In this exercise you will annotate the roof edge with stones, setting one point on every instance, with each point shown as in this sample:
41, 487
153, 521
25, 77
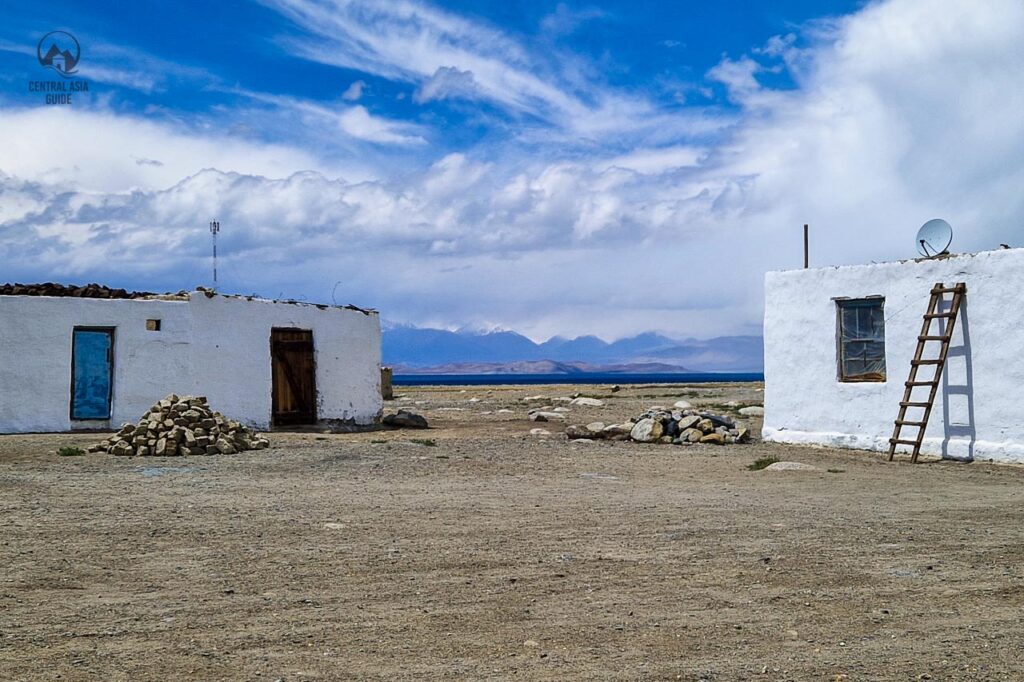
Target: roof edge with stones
99, 291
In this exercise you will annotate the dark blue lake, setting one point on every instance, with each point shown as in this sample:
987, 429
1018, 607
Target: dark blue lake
582, 378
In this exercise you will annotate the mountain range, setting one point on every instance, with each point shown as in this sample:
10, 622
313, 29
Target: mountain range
415, 349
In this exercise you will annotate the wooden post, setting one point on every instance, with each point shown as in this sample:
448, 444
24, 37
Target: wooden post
807, 258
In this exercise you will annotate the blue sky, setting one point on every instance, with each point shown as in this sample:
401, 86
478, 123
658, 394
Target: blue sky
558, 168
206, 65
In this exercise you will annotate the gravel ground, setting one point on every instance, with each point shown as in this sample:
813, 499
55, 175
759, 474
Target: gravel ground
477, 551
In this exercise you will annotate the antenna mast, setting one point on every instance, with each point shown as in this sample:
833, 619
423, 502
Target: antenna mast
214, 229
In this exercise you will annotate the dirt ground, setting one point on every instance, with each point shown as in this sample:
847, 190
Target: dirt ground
479, 551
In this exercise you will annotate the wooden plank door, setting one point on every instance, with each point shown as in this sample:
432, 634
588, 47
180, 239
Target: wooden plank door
92, 372
293, 372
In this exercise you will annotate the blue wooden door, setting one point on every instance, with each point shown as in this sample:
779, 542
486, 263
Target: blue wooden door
91, 363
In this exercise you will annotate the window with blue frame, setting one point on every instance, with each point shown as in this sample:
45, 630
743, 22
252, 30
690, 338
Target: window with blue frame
861, 347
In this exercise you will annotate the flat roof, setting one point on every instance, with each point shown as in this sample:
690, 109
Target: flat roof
99, 291
905, 261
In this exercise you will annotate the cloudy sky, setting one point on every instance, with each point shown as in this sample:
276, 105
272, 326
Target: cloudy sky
551, 167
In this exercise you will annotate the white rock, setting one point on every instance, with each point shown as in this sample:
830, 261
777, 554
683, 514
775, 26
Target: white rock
752, 411
539, 432
592, 431
562, 409
689, 422
791, 466
535, 398
617, 430
646, 431
546, 416
682, 405
504, 411
589, 402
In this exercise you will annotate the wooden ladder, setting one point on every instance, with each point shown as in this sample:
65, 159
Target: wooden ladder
959, 290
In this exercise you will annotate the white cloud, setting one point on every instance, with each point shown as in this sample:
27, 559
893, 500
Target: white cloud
354, 91
902, 113
565, 20
99, 151
777, 46
738, 77
136, 69
136, 80
355, 121
657, 160
416, 43
446, 82
358, 122
17, 48
457, 206
409, 41
897, 114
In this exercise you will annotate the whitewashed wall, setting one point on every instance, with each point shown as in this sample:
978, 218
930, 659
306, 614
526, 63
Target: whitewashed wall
979, 409
35, 357
218, 347
231, 357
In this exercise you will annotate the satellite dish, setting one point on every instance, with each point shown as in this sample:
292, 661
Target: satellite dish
934, 238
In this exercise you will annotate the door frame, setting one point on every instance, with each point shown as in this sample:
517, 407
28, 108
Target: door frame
112, 333
311, 417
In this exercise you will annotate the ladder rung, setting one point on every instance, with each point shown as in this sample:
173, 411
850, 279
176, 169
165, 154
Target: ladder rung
928, 337
907, 403
959, 288
905, 423
930, 316
921, 383
926, 362
900, 441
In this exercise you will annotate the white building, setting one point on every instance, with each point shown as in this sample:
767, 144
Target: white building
88, 363
839, 342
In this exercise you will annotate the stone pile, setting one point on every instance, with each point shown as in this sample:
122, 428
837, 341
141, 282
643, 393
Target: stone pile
662, 425
182, 425
85, 291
